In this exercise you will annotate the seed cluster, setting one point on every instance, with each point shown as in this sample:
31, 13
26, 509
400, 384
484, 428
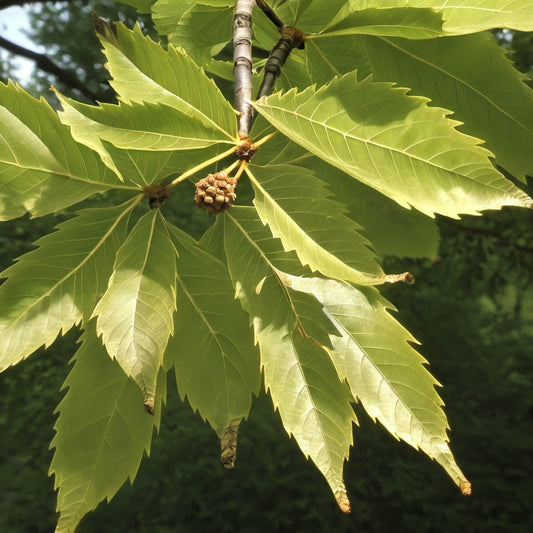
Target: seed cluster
216, 192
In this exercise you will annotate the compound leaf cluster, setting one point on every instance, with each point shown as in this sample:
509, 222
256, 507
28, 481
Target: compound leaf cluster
355, 152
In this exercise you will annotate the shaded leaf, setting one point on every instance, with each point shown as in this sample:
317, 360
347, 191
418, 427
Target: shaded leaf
470, 76
383, 370
102, 432
197, 27
52, 288
327, 58
42, 169
390, 228
395, 143
212, 349
135, 315
309, 16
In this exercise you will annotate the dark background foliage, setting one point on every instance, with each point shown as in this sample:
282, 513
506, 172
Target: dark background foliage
472, 308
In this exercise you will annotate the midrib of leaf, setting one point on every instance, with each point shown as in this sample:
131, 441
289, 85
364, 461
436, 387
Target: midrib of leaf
60, 170
373, 143
76, 178
339, 325
457, 80
47, 294
140, 276
324, 58
131, 131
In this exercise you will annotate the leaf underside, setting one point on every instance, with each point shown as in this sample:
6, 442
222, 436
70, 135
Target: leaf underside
284, 290
102, 432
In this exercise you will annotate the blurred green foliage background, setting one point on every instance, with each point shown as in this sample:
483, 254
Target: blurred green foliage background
472, 309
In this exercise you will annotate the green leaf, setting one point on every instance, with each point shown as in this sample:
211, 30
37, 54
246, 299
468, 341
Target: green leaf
197, 27
300, 377
470, 76
411, 23
143, 71
395, 143
102, 432
390, 228
52, 288
295, 205
134, 126
466, 16
383, 370
212, 349
42, 169
309, 16
327, 58
140, 142
135, 315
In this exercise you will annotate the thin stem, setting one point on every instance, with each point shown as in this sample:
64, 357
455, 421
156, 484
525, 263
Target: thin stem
242, 63
194, 170
230, 169
270, 13
242, 168
265, 139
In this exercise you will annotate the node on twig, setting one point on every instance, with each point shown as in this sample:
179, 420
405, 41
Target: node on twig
245, 151
157, 194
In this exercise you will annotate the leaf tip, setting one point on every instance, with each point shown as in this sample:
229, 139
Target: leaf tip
107, 29
466, 487
228, 444
343, 502
405, 277
149, 405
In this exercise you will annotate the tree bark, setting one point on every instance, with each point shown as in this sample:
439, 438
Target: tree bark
242, 64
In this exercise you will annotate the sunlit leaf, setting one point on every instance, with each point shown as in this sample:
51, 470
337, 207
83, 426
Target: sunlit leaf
395, 143
299, 375
295, 205
52, 288
135, 315
143, 71
383, 370
42, 169
411, 23
470, 76
466, 16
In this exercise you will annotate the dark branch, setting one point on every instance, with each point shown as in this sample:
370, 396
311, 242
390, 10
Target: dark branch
242, 63
4, 4
270, 13
46, 64
290, 38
